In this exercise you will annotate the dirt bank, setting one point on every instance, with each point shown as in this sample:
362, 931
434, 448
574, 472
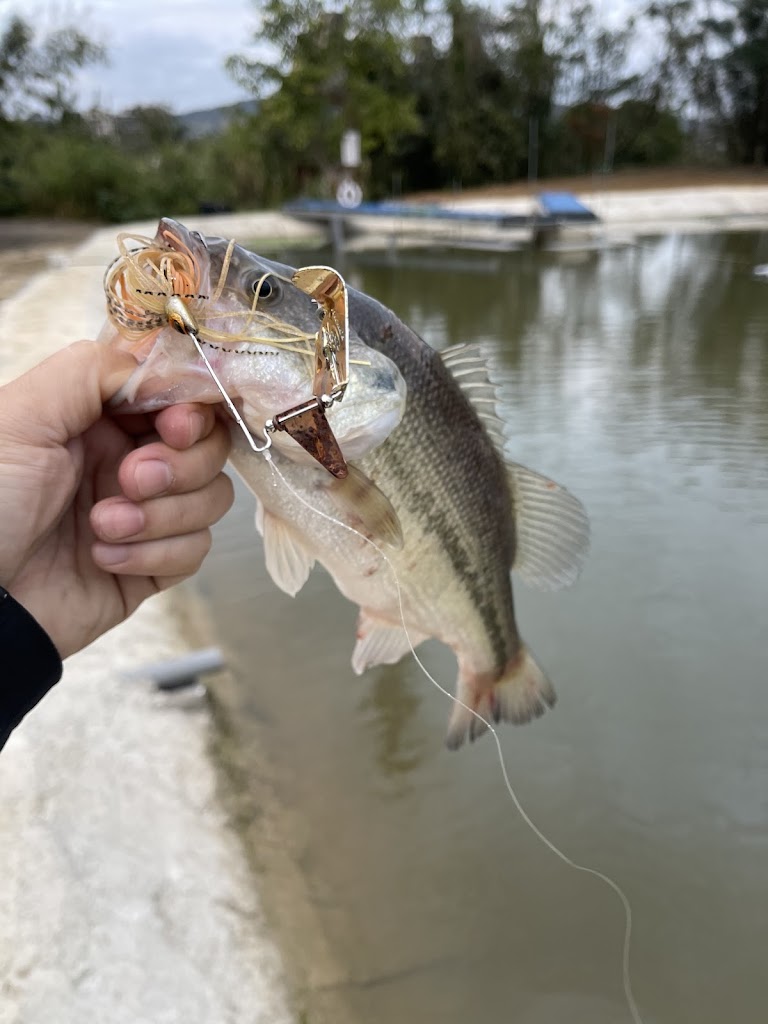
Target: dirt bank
621, 181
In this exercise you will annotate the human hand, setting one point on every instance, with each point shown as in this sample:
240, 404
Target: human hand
97, 512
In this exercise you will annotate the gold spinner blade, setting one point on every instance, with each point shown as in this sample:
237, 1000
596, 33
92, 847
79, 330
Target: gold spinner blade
328, 289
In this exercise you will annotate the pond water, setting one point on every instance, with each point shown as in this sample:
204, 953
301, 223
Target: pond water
637, 377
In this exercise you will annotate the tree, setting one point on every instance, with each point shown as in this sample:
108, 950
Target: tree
592, 58
36, 72
745, 67
334, 70
686, 77
647, 136
472, 105
147, 128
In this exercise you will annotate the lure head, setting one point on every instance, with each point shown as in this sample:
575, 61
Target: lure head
179, 316
273, 340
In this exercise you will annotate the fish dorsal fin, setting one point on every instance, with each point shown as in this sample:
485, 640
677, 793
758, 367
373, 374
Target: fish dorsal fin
288, 562
551, 526
551, 530
469, 366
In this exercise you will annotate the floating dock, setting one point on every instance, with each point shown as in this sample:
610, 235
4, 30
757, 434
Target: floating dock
451, 226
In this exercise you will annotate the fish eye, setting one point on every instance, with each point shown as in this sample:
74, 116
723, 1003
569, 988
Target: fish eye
266, 287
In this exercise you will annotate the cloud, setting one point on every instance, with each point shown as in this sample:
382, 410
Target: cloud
170, 53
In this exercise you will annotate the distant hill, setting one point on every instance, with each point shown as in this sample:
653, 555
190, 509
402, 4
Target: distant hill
198, 123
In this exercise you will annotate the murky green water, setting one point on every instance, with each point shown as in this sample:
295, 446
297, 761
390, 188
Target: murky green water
639, 378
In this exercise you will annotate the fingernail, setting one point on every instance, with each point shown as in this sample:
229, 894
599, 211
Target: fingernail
153, 478
120, 521
110, 554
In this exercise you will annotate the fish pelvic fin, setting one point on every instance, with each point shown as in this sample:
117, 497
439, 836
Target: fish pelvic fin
381, 643
288, 561
522, 693
366, 507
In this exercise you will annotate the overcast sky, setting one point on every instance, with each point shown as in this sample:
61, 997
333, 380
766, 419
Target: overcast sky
159, 51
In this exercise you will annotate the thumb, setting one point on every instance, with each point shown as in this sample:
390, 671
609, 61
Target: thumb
65, 394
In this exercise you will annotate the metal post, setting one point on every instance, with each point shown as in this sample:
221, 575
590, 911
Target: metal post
533, 148
610, 145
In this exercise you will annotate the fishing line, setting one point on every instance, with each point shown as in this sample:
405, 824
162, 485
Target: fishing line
614, 886
176, 313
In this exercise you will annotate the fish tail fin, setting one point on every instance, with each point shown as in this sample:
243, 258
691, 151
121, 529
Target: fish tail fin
523, 692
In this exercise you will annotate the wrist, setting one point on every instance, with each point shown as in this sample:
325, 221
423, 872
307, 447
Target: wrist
31, 664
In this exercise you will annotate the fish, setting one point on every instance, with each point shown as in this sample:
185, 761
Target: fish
424, 435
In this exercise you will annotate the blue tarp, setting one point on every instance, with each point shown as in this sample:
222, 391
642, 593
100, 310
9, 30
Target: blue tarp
564, 204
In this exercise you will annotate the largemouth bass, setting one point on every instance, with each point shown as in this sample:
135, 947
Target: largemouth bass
430, 483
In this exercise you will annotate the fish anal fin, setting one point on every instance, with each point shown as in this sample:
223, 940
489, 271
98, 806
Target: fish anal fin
380, 643
551, 528
366, 507
521, 694
288, 561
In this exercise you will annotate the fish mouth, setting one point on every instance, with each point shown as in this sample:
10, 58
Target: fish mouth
171, 234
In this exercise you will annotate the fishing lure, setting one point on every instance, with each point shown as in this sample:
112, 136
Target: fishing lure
152, 286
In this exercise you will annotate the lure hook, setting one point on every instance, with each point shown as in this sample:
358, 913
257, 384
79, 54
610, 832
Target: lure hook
180, 318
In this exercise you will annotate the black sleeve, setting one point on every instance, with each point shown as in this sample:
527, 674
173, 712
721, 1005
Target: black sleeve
29, 664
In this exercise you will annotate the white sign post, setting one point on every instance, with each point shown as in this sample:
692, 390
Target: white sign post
350, 149
348, 193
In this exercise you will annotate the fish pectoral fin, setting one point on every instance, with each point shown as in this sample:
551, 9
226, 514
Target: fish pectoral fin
379, 643
522, 693
551, 530
288, 561
366, 508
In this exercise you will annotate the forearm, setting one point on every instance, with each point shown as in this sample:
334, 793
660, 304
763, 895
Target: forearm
29, 664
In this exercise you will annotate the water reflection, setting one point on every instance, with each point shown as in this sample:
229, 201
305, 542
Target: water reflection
664, 343
390, 705
639, 378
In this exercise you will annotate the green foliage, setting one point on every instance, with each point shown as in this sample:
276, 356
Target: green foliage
745, 67
36, 74
143, 129
339, 70
436, 115
63, 171
647, 136
476, 123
